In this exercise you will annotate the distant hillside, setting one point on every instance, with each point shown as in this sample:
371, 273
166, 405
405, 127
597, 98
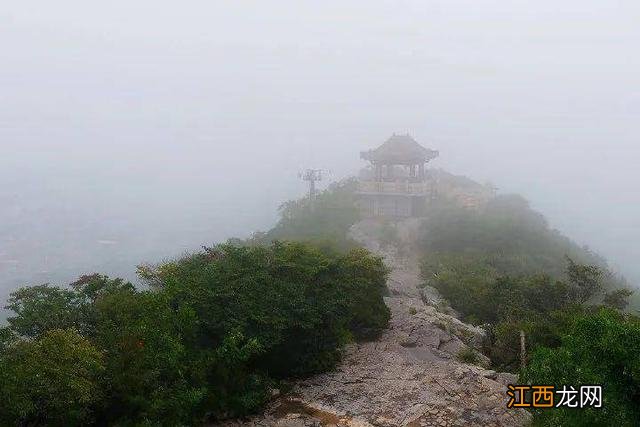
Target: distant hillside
516, 238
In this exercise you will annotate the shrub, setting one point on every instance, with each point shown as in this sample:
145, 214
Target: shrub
51, 380
282, 310
599, 348
325, 225
39, 309
209, 338
468, 355
508, 236
299, 303
503, 267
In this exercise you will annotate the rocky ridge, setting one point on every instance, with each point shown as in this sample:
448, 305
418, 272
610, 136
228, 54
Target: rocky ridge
413, 374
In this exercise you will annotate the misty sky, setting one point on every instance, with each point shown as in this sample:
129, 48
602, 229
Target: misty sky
166, 125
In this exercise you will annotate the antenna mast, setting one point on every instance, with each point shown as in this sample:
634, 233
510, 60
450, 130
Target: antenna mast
312, 176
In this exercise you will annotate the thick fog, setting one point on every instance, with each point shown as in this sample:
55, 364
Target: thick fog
133, 131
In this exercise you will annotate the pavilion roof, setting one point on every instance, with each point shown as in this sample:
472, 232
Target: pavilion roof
400, 149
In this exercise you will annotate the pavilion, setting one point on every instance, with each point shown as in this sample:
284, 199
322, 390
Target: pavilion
399, 185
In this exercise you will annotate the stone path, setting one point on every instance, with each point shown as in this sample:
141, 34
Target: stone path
411, 376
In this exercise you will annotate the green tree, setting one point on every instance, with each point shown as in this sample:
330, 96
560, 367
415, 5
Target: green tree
147, 365
7, 338
270, 312
599, 348
509, 235
618, 299
502, 266
586, 281
52, 380
208, 339
38, 309
334, 212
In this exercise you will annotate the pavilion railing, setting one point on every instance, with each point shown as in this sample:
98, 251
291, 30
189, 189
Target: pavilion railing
400, 187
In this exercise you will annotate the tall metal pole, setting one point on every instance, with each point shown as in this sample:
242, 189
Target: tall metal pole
312, 190
312, 176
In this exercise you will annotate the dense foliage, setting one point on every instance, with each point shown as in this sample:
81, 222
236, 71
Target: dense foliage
209, 338
540, 306
52, 380
325, 223
507, 233
598, 348
502, 267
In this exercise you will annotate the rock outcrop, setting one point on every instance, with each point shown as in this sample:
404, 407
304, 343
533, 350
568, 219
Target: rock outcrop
413, 374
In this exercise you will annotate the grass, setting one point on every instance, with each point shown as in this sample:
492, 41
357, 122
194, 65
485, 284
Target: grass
468, 355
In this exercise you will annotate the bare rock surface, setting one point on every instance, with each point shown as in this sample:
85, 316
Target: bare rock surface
411, 376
